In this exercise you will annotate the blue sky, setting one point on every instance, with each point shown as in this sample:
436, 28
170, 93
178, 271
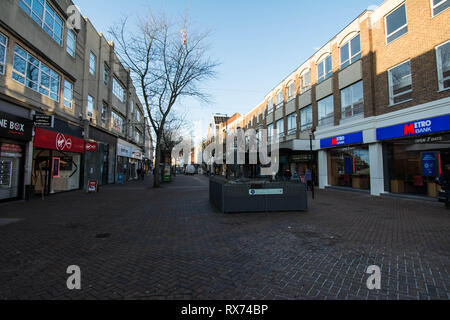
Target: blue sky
258, 43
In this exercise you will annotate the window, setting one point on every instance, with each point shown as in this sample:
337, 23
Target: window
324, 69
3, 46
351, 51
138, 136
439, 5
92, 63
269, 132
306, 119
41, 12
34, 74
280, 128
352, 100
270, 106
292, 123
279, 98
104, 115
396, 24
68, 94
105, 74
90, 106
305, 81
443, 65
291, 90
131, 107
117, 122
71, 43
326, 111
118, 90
400, 83
138, 116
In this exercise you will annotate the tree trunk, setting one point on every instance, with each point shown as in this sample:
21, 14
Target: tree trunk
156, 183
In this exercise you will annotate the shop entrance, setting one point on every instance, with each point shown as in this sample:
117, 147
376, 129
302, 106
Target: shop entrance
349, 167
11, 164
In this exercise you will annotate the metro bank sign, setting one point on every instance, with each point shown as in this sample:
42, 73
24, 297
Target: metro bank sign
351, 138
425, 126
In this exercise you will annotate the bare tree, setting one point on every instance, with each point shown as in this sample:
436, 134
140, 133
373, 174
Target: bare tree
167, 61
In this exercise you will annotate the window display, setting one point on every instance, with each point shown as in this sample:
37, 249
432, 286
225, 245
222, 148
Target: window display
349, 167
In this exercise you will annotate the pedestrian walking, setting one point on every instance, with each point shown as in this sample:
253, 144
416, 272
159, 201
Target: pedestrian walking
142, 174
308, 178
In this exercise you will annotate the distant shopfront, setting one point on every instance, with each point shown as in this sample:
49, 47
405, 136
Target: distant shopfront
57, 159
15, 134
129, 160
414, 154
348, 161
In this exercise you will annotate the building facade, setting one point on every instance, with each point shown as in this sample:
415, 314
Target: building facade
73, 78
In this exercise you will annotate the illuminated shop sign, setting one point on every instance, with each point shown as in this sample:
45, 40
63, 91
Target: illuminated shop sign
351, 138
415, 128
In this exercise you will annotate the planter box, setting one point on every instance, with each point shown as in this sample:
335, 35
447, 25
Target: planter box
231, 197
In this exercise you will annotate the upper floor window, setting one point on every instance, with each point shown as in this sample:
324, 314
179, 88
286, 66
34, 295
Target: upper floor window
138, 116
291, 90
68, 94
352, 100
104, 114
269, 132
34, 74
443, 65
90, 106
396, 23
138, 136
263, 114
292, 123
280, 127
118, 90
71, 42
305, 81
351, 51
45, 16
324, 69
117, 122
3, 46
270, 106
92, 63
439, 5
105, 74
279, 98
400, 83
306, 118
326, 111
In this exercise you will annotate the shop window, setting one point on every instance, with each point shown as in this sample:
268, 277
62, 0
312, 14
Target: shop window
44, 15
68, 94
280, 128
34, 74
396, 24
349, 167
400, 83
3, 47
71, 42
351, 51
439, 5
443, 65
352, 100
306, 118
292, 123
92, 63
90, 107
326, 111
324, 69
305, 81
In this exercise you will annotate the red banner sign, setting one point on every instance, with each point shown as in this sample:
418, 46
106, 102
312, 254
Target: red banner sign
47, 139
91, 146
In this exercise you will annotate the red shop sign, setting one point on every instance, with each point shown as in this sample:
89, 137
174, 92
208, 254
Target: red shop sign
91, 146
47, 139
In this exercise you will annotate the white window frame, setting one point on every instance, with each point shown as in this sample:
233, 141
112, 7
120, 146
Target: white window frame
104, 114
325, 74
90, 107
71, 51
390, 83
304, 88
290, 90
292, 127
118, 90
5, 46
270, 105
352, 104
270, 132
52, 75
434, 6
307, 125
350, 56
327, 115
441, 79
43, 23
397, 30
70, 102
92, 60
279, 99
280, 131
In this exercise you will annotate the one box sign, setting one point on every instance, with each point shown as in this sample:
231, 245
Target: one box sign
261, 192
92, 186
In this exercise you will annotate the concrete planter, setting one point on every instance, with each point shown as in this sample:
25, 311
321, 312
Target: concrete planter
231, 197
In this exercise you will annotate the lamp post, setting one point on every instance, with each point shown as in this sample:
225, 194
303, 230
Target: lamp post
311, 162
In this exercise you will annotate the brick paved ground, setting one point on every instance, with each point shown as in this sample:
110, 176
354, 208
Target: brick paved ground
171, 244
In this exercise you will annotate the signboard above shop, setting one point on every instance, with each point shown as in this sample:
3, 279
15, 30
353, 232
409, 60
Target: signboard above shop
342, 140
44, 120
15, 128
415, 128
128, 150
47, 139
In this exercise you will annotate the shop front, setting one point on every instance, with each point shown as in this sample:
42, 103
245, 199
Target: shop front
414, 154
15, 134
57, 161
300, 162
129, 161
348, 161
